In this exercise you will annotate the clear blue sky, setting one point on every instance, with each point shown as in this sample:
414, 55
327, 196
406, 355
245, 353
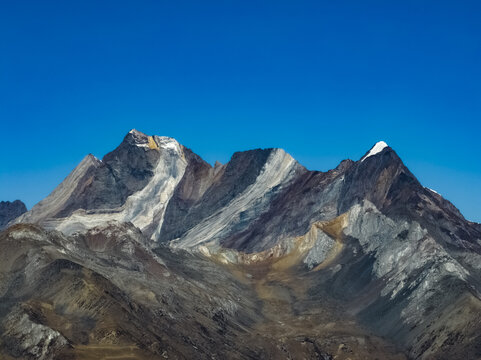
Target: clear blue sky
322, 79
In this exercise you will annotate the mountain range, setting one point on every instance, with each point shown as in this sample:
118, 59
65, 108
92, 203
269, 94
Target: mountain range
153, 253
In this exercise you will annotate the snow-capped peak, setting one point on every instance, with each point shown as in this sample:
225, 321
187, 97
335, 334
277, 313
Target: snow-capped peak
375, 149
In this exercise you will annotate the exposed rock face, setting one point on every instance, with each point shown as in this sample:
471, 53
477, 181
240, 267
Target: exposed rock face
10, 210
362, 246
26, 338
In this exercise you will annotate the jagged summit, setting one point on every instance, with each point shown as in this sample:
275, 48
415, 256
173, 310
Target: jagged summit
91, 157
136, 132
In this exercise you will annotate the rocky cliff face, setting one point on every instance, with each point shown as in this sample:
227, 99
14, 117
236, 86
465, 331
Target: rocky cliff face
303, 263
10, 210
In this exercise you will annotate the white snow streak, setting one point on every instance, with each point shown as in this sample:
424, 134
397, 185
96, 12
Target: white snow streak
375, 149
277, 170
146, 206
151, 202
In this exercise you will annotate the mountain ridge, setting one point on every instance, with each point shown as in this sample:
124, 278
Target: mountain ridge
398, 259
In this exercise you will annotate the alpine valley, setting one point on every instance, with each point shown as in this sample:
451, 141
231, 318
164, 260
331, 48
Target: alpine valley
152, 253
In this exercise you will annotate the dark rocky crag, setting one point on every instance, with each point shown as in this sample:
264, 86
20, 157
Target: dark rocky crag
260, 258
10, 211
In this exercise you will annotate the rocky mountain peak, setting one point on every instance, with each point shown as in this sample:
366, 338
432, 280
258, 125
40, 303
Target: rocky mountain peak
135, 135
138, 139
135, 132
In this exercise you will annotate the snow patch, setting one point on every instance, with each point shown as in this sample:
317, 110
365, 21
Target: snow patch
375, 149
165, 142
